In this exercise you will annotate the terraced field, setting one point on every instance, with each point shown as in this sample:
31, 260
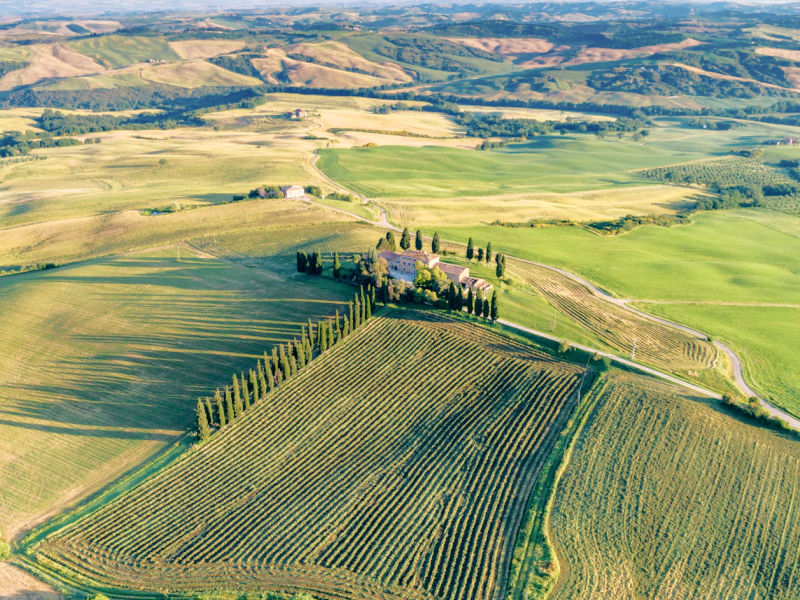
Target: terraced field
398, 464
667, 497
656, 344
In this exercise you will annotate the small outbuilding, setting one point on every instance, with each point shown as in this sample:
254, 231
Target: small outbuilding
293, 191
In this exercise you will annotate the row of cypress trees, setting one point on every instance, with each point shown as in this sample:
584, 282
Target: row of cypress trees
285, 361
477, 305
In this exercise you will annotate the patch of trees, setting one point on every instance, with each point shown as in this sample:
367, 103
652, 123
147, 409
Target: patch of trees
19, 144
286, 360
752, 410
431, 52
712, 125
629, 222
310, 263
239, 63
6, 66
483, 126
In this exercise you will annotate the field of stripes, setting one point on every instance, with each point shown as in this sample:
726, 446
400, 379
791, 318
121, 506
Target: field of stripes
668, 497
398, 464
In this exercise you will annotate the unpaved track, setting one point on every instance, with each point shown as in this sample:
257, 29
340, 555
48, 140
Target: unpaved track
736, 363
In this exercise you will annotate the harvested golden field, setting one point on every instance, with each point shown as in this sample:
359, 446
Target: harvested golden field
341, 56
396, 465
194, 73
300, 72
20, 585
592, 55
194, 49
105, 360
671, 497
48, 61
511, 47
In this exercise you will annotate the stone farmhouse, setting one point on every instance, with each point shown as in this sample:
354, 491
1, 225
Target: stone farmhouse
293, 191
403, 265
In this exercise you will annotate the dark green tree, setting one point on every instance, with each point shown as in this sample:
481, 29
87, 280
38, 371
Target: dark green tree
480, 254
435, 244
238, 407
459, 298
262, 383
302, 261
418, 240
337, 265
323, 337
451, 296
405, 239
229, 407
210, 412
269, 375
203, 430
352, 316
493, 313
485, 308
310, 333
331, 336
222, 419
470, 302
488, 252
392, 241
500, 269
470, 249
254, 391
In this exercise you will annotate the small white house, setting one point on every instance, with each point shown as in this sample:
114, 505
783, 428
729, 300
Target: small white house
293, 191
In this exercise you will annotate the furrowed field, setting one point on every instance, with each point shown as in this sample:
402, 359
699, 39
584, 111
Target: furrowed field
669, 497
398, 464
100, 363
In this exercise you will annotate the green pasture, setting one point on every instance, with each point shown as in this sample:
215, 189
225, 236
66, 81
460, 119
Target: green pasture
102, 362
764, 337
739, 256
561, 164
115, 51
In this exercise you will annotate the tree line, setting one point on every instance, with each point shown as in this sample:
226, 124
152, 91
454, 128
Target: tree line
213, 413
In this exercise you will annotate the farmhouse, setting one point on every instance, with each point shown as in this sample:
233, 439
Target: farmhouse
293, 191
403, 265
298, 113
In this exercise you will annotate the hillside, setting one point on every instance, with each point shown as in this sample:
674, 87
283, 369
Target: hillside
685, 501
396, 465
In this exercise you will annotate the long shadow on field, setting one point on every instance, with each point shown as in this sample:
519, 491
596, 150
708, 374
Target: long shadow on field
99, 433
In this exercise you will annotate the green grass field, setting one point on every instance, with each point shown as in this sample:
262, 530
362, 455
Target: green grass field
558, 164
115, 51
395, 485
105, 359
668, 497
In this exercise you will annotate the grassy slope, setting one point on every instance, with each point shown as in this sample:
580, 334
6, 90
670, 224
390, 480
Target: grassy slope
666, 497
116, 51
105, 358
438, 444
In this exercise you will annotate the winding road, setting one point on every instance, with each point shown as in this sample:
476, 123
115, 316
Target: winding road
735, 361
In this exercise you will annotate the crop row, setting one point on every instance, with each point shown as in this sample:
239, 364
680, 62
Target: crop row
655, 343
665, 497
396, 464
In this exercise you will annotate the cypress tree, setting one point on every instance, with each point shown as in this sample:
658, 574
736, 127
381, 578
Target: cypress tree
451, 296
238, 408
460, 298
500, 270
331, 338
278, 376
229, 408
269, 375
480, 254
221, 418
357, 316
391, 240
210, 411
203, 430
405, 239
254, 386
418, 240
300, 353
346, 327
308, 350
372, 297
245, 392
310, 333
286, 369
262, 384
275, 362
435, 243
319, 263
488, 252
470, 301
337, 265
292, 364
493, 311
323, 338
470, 249
367, 308
352, 316
302, 261
338, 328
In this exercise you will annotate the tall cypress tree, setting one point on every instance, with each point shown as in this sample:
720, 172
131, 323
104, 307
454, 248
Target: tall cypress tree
275, 362
470, 301
391, 240
302, 261
435, 243
229, 407
292, 364
222, 419
460, 298
493, 310
346, 327
331, 338
488, 256
405, 239
238, 408
470, 249
418, 240
337, 265
254, 391
286, 369
372, 298
351, 309
310, 332
300, 353
262, 384
210, 411
323, 337
357, 317
203, 430
451, 296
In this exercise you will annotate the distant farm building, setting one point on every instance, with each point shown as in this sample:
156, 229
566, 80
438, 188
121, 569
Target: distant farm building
293, 191
403, 265
298, 113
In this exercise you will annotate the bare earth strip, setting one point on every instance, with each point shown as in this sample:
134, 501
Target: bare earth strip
16, 584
